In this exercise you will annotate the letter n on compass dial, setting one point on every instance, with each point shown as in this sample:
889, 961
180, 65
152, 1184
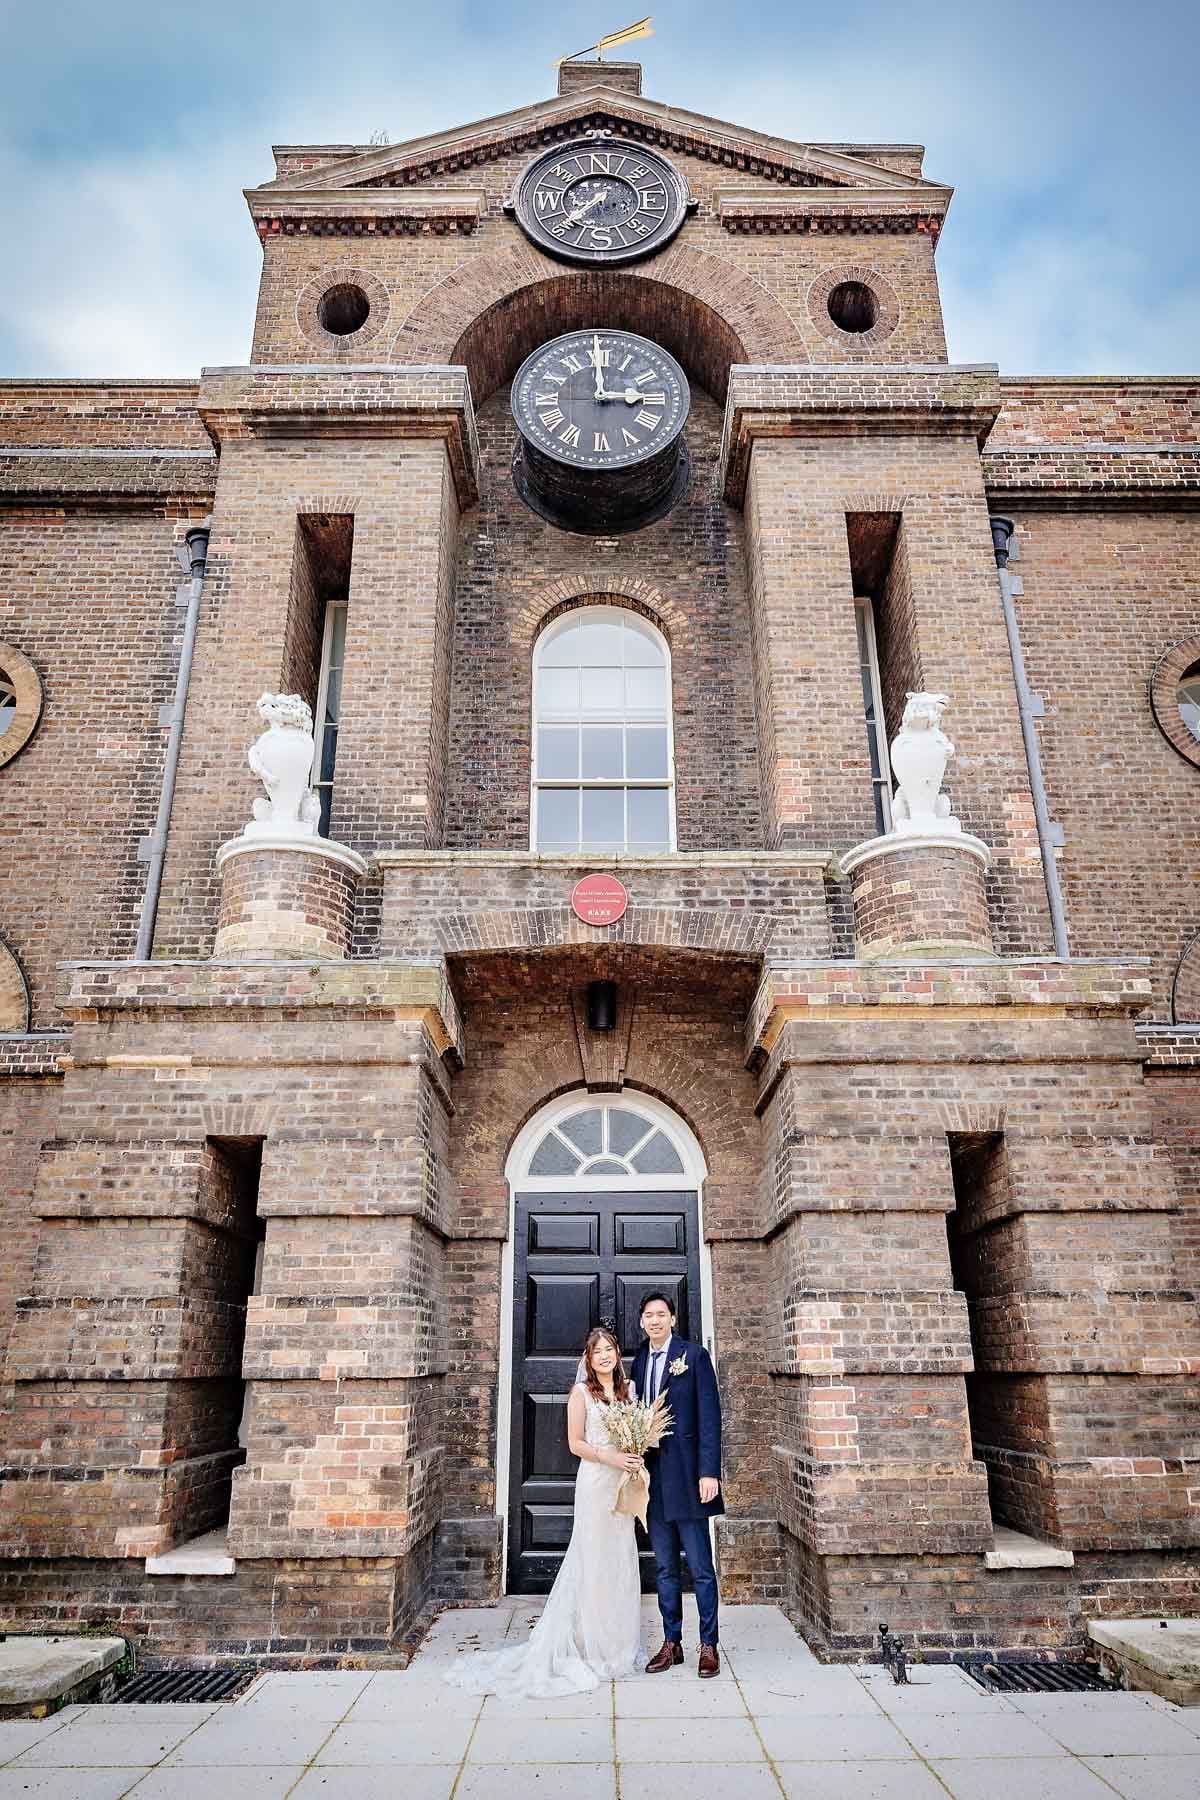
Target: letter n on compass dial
600, 416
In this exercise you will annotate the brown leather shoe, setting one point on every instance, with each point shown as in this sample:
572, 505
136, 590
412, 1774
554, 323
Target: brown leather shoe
710, 1662
667, 1657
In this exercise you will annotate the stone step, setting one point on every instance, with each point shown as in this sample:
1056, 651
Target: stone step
1161, 1655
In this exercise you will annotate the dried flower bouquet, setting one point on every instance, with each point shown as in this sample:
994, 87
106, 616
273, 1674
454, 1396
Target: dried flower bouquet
634, 1427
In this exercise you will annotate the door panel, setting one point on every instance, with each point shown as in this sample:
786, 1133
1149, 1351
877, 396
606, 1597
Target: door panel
582, 1259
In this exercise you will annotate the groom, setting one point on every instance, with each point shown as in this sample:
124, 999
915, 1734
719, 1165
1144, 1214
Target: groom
685, 1479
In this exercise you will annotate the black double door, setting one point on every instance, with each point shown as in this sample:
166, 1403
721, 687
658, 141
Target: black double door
582, 1259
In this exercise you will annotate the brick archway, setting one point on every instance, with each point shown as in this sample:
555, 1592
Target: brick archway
598, 588
490, 312
14, 992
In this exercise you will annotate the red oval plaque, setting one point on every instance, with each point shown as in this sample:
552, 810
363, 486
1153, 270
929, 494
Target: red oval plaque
599, 900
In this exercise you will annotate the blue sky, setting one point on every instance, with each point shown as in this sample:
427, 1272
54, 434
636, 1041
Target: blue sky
128, 130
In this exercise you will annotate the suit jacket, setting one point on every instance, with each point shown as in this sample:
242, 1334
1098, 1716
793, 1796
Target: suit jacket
694, 1446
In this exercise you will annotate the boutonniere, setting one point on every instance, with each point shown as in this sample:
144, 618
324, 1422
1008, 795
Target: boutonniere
678, 1367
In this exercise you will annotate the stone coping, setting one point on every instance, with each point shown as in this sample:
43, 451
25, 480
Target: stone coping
36, 1669
326, 848
1168, 1646
1017, 1550
205, 1555
899, 843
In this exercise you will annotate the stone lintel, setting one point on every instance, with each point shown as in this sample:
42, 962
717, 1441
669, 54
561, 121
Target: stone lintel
867, 400
347, 400
1016, 1550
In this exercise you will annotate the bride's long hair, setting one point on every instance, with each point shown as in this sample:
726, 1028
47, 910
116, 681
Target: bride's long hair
620, 1381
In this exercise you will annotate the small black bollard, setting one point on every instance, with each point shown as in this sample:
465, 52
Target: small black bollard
891, 1655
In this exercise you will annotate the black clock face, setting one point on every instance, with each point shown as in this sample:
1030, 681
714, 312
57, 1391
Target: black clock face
598, 202
600, 399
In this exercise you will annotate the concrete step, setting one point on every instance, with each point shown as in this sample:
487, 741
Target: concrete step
1161, 1655
39, 1674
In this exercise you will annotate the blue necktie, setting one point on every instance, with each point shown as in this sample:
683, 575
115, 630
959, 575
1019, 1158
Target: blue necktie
655, 1372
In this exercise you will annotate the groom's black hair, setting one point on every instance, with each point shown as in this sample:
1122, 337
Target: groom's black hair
656, 1295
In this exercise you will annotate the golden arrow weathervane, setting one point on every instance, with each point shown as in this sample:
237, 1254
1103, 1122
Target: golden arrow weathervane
643, 28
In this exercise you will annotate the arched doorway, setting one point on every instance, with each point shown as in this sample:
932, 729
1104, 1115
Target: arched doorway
606, 1203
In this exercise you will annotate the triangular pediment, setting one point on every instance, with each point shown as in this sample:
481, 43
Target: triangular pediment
671, 128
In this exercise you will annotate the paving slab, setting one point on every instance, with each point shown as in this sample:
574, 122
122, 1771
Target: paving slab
197, 1784
1150, 1777
657, 1698
673, 1741
859, 1781
699, 1781
938, 1735
233, 1739
398, 1742
66, 1784
556, 1781
830, 1693
95, 1737
817, 1738
22, 1734
431, 1783
1029, 1777
507, 1740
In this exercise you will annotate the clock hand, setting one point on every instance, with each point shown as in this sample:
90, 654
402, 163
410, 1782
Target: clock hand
596, 365
578, 213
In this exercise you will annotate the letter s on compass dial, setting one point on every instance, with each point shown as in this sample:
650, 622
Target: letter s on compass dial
600, 400
600, 201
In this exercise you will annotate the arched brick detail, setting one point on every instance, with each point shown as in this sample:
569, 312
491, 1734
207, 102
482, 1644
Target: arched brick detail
720, 931
874, 503
14, 992
1164, 704
887, 302
598, 588
26, 685
348, 347
307, 504
490, 312
967, 1119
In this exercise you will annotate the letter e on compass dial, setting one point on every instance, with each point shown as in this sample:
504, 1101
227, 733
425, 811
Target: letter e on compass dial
600, 201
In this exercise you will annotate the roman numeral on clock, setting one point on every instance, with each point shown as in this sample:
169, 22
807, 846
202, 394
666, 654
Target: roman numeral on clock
569, 435
551, 419
645, 417
631, 437
599, 441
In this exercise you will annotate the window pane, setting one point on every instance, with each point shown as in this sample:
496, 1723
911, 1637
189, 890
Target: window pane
625, 1129
604, 818
649, 819
337, 637
558, 690
333, 694
602, 752
608, 1167
646, 689
646, 749
560, 651
328, 753
558, 753
658, 1157
583, 1128
598, 643
558, 818
641, 650
602, 691
1189, 699
553, 1157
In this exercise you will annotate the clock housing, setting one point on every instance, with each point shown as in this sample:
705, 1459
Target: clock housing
600, 201
600, 415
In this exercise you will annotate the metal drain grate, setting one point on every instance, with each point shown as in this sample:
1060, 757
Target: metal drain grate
1040, 1678
171, 1687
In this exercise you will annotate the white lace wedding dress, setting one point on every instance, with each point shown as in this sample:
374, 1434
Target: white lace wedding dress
590, 1630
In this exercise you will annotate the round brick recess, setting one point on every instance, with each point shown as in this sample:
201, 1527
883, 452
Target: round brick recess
285, 901
913, 894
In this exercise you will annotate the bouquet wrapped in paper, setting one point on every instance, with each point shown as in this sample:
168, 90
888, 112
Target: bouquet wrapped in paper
635, 1428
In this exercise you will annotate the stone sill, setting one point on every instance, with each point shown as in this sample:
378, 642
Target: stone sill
1015, 1550
672, 860
206, 1555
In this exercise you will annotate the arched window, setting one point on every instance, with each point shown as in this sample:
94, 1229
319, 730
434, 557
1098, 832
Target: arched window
603, 763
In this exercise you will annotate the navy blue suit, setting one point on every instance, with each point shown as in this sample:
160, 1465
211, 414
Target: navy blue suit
677, 1520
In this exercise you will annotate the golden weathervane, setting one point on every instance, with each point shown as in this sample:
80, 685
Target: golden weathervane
642, 28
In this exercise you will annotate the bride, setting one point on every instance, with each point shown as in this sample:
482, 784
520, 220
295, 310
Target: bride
590, 1629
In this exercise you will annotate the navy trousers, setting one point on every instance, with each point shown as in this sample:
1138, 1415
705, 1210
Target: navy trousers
667, 1538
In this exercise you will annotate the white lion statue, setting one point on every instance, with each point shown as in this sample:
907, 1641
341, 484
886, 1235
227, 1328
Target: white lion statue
920, 752
282, 758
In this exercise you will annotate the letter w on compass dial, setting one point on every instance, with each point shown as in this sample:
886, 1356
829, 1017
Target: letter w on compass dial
601, 400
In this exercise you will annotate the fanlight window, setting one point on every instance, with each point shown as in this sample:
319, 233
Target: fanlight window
605, 1141
602, 752
8, 702
1189, 699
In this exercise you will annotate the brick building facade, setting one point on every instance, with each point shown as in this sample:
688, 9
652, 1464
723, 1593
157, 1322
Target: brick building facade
300, 1232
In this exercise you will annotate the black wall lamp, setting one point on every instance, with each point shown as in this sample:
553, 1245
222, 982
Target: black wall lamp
602, 1005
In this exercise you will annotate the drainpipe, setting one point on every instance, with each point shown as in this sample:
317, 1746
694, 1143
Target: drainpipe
1031, 707
153, 849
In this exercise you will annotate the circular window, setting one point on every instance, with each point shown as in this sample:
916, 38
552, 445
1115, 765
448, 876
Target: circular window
1174, 698
1189, 699
20, 701
343, 309
852, 306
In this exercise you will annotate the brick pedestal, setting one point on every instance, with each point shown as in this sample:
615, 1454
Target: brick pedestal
283, 899
919, 894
